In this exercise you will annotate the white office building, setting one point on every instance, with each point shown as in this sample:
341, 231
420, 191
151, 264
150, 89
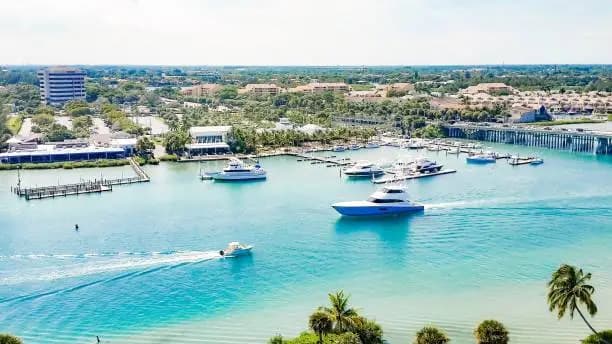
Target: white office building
209, 140
61, 84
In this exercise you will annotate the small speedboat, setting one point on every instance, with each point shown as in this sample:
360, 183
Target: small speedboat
363, 169
372, 144
483, 158
386, 201
354, 146
338, 149
236, 249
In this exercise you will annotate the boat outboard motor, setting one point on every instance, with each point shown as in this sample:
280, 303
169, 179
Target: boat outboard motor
221, 253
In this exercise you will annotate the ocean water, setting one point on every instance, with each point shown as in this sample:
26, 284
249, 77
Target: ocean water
144, 266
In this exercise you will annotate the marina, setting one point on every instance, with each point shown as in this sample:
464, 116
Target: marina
474, 233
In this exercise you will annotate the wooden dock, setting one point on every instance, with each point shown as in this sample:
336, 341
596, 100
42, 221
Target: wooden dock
330, 161
392, 178
86, 187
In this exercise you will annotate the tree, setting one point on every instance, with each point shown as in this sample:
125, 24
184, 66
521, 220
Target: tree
321, 323
175, 141
6, 338
369, 331
431, 335
144, 145
567, 289
598, 338
348, 338
343, 316
491, 332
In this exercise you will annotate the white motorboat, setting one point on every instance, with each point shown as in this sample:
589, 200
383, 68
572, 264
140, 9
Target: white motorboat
423, 165
363, 169
454, 150
236, 249
338, 149
354, 146
536, 161
237, 170
386, 201
372, 144
482, 158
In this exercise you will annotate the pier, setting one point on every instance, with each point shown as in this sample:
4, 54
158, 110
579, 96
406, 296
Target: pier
392, 178
85, 187
574, 141
324, 160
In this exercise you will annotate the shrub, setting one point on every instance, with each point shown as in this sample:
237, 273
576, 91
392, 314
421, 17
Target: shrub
431, 335
596, 338
6, 338
168, 157
491, 332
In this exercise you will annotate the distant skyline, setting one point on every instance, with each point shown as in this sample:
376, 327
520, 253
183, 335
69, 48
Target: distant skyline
314, 32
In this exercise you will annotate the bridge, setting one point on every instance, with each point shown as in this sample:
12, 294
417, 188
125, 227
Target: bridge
587, 141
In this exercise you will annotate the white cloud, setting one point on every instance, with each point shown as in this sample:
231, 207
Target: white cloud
314, 32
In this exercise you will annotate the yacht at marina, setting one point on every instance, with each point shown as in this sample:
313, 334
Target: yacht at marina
363, 169
386, 201
482, 158
238, 170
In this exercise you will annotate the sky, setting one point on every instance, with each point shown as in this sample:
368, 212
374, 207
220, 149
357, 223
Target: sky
306, 32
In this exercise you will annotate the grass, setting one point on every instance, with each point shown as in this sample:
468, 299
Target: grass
168, 157
360, 87
68, 165
13, 124
567, 121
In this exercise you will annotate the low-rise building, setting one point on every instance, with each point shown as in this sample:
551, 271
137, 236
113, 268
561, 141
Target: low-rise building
522, 114
490, 87
262, 89
320, 87
49, 153
208, 140
200, 90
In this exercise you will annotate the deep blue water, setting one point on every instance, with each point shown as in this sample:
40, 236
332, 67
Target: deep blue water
144, 267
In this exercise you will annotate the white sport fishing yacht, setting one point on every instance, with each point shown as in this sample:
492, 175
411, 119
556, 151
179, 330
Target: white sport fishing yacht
386, 201
237, 170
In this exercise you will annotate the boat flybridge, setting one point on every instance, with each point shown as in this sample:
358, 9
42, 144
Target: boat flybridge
386, 201
235, 249
238, 170
363, 169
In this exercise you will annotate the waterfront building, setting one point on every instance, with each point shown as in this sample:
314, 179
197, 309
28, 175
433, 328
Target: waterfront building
529, 115
200, 90
49, 153
262, 89
127, 144
61, 84
208, 140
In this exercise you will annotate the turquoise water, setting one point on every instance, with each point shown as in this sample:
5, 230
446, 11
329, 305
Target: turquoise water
144, 266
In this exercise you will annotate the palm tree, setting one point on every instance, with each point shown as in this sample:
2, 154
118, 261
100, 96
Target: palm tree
321, 323
431, 335
491, 332
568, 288
343, 316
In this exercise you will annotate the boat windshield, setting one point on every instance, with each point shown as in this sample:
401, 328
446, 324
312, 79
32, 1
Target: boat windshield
379, 200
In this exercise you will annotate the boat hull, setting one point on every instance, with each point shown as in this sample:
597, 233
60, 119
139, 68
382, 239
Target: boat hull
376, 209
480, 160
237, 253
237, 177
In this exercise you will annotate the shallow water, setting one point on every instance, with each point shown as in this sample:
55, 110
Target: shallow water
144, 266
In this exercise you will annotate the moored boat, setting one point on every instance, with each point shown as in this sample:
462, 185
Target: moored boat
363, 169
237, 170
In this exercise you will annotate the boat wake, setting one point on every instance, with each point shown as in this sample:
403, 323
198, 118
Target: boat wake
91, 264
